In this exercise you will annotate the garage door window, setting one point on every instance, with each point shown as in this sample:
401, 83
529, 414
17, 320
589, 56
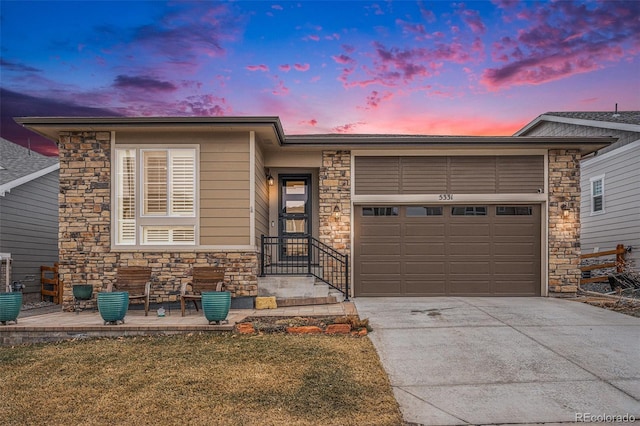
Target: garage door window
469, 211
420, 211
514, 211
380, 211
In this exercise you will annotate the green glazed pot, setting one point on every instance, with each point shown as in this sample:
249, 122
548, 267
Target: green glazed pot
82, 291
215, 305
113, 306
10, 305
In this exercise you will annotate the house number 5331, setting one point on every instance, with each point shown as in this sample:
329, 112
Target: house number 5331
445, 197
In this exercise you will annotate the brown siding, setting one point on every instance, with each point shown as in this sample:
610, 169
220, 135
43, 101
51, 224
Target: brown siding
224, 191
454, 174
262, 197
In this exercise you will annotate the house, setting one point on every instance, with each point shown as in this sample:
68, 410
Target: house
28, 214
609, 177
398, 215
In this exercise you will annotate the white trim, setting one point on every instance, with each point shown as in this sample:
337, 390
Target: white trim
7, 187
252, 186
609, 154
591, 205
579, 122
456, 198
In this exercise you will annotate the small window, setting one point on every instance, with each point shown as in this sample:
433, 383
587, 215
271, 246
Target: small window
380, 211
419, 211
514, 211
597, 194
469, 211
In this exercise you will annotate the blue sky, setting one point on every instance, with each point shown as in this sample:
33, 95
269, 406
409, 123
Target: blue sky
427, 67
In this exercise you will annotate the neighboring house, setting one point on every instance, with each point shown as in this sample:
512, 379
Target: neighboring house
417, 215
610, 177
28, 213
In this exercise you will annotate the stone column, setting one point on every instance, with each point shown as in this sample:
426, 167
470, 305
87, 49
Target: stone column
564, 231
335, 191
84, 210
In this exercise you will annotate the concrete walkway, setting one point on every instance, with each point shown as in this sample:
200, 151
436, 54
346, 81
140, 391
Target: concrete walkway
455, 361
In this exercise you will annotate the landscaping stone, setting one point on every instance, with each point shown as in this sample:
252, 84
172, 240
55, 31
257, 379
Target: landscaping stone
245, 328
338, 329
266, 302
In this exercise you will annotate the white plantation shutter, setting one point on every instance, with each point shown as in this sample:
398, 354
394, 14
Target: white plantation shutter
155, 182
126, 196
168, 234
183, 178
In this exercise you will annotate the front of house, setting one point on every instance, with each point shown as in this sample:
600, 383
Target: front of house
416, 215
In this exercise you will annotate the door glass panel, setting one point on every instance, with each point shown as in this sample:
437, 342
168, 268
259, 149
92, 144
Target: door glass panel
294, 206
295, 187
293, 226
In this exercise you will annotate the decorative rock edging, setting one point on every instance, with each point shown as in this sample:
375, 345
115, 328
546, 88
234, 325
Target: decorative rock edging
297, 326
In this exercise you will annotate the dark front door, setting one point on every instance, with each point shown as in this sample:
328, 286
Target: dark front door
294, 215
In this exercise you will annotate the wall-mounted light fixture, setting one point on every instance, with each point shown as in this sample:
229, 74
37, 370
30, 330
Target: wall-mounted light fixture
336, 211
565, 209
270, 180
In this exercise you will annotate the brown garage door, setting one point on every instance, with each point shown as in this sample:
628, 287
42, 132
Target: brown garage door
465, 250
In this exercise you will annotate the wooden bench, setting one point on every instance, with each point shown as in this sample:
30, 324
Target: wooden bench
50, 284
137, 281
205, 278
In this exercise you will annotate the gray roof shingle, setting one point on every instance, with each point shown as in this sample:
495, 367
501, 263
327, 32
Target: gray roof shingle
16, 161
623, 117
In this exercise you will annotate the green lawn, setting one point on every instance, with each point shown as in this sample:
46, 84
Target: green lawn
199, 379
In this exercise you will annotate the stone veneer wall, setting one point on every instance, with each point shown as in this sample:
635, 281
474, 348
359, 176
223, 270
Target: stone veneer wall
85, 231
564, 232
335, 190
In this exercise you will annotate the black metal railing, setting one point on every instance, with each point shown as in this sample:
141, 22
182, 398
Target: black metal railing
305, 255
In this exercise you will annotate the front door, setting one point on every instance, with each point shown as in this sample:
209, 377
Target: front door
294, 215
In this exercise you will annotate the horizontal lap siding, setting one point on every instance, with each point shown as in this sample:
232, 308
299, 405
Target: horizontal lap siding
262, 197
224, 191
436, 175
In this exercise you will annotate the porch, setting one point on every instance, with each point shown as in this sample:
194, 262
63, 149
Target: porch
37, 327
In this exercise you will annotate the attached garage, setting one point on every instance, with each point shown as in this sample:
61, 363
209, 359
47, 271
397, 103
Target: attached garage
447, 250
403, 247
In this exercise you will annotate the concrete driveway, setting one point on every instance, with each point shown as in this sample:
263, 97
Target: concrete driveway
455, 361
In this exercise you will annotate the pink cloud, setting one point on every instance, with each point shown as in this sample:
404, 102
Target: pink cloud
312, 37
565, 39
375, 98
474, 21
285, 67
347, 128
261, 67
343, 59
281, 89
301, 67
427, 14
313, 122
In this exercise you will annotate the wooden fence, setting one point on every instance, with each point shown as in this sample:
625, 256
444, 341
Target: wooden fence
619, 263
50, 284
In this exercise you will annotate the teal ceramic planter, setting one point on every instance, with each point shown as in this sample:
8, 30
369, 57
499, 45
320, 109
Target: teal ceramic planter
82, 291
113, 306
10, 305
215, 305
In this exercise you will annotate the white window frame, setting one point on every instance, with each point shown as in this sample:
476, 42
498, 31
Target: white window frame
592, 196
171, 222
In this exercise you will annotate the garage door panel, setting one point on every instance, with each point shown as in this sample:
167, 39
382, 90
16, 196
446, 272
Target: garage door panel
431, 230
425, 249
514, 230
515, 268
434, 287
380, 230
477, 286
424, 268
470, 229
380, 268
381, 287
513, 287
469, 248
376, 249
528, 249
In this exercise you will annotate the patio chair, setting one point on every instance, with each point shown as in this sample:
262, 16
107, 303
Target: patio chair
205, 278
137, 281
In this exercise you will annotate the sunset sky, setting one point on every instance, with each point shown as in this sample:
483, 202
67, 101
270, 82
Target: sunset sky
425, 67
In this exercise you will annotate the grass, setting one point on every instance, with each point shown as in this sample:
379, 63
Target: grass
199, 379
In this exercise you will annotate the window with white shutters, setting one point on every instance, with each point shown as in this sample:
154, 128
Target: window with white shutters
156, 196
597, 194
